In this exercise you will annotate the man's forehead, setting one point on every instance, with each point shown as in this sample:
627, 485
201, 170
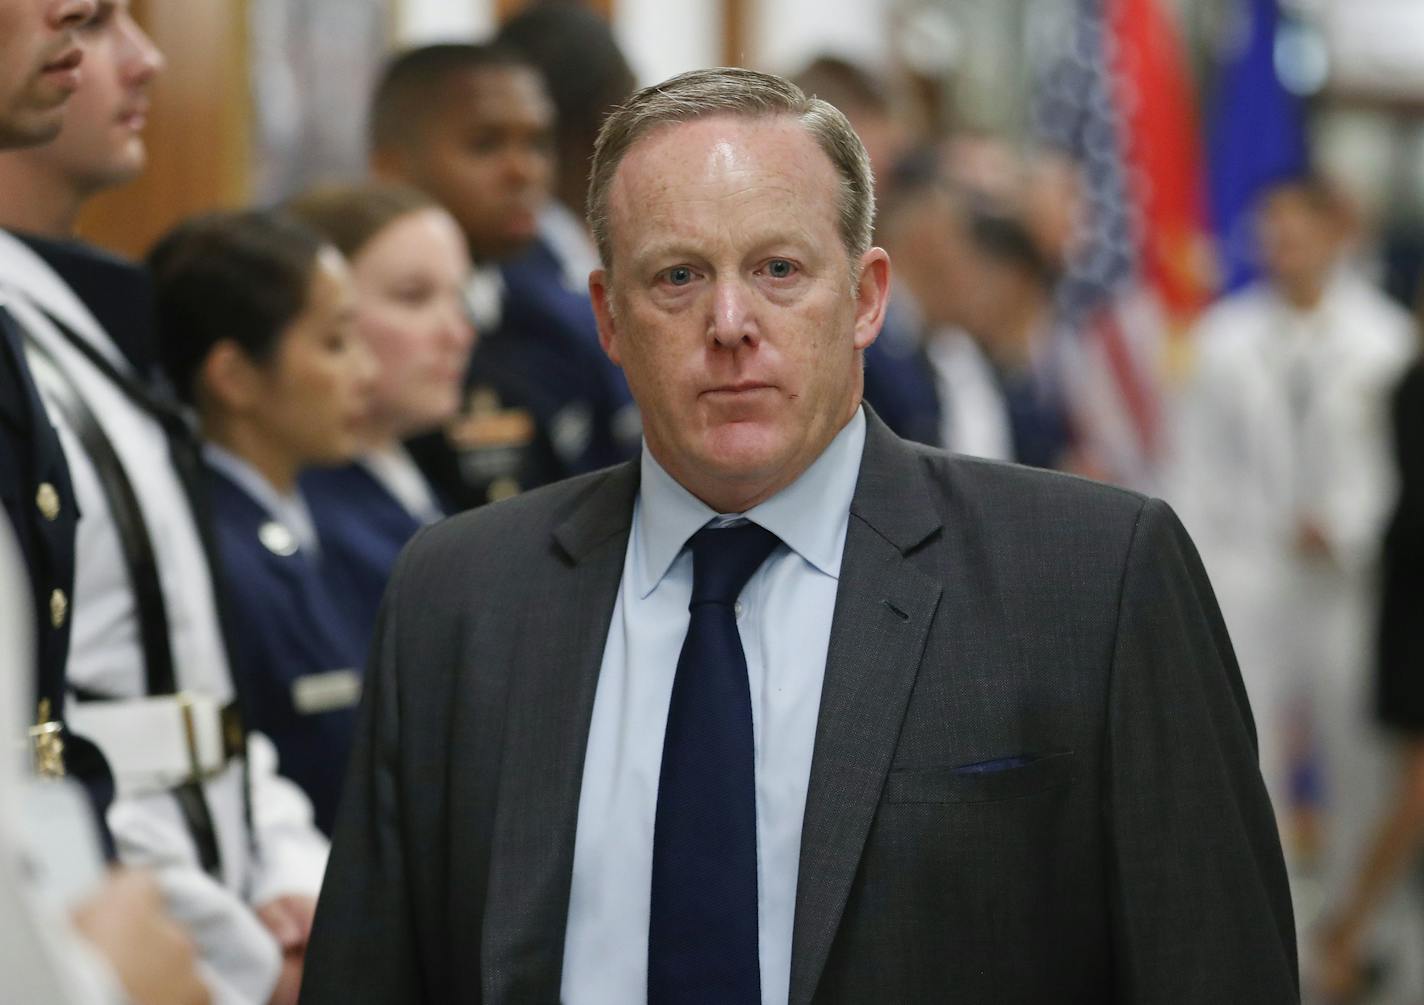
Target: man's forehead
490, 88
754, 181
779, 150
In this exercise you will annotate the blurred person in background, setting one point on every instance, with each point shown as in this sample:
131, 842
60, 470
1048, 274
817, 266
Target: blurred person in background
473, 127
1281, 470
586, 75
256, 328
1008, 307
231, 844
1052, 204
50, 859
1399, 705
923, 225
408, 268
900, 383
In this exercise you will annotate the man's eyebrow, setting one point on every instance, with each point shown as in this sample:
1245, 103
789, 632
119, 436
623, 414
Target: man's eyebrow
662, 250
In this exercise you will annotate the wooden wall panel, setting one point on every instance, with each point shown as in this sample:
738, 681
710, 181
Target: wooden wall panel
198, 130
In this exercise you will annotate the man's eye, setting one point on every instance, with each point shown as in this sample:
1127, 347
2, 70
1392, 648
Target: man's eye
679, 275
779, 268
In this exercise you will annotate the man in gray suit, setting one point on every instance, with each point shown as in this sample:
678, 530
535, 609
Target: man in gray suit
791, 709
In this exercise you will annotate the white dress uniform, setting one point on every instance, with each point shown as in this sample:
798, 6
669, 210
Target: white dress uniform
1286, 420
286, 854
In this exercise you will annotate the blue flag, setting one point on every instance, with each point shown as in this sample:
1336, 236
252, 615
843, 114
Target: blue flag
1257, 136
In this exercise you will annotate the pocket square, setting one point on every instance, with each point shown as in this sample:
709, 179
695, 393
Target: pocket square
981, 781
997, 764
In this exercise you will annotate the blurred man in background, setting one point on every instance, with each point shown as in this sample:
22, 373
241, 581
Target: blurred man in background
924, 227
473, 127
586, 76
1281, 469
900, 384
232, 844
1008, 307
145, 958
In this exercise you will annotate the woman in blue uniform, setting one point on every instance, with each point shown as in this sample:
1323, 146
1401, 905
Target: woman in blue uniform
409, 266
255, 326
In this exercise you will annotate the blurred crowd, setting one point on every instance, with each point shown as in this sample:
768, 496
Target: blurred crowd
256, 419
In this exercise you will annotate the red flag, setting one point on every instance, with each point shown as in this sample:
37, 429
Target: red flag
1162, 145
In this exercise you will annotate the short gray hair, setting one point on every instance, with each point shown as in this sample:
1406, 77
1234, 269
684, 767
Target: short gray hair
747, 94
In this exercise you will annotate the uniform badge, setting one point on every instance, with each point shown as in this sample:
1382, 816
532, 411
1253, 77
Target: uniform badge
277, 539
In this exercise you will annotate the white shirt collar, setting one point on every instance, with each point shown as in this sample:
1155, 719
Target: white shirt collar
564, 232
809, 515
396, 472
484, 298
289, 510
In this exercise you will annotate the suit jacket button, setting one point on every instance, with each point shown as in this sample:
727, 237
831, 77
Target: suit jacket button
47, 501
58, 608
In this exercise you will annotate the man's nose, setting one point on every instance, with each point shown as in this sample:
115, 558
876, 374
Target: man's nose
63, 14
143, 61
733, 318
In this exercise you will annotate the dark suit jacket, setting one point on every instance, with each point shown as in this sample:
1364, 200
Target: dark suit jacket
1111, 841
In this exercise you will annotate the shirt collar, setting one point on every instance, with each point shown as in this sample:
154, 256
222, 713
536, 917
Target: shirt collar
290, 510
567, 237
809, 515
484, 298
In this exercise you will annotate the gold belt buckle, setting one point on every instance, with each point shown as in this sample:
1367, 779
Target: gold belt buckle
47, 744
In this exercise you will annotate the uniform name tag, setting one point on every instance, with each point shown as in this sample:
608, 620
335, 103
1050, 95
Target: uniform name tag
326, 692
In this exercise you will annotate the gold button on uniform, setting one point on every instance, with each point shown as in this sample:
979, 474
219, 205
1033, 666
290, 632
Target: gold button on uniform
58, 608
47, 501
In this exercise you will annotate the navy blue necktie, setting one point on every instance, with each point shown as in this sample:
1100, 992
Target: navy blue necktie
702, 926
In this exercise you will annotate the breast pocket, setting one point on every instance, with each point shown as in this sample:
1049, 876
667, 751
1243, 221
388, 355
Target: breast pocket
983, 781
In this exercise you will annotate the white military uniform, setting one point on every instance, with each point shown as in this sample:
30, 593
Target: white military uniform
286, 855
1285, 420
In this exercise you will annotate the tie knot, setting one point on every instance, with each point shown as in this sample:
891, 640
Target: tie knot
723, 559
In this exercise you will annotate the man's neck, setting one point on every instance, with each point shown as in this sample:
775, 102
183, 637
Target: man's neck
1305, 295
35, 199
1024, 322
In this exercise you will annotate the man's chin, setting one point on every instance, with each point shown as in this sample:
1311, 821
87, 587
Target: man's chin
31, 127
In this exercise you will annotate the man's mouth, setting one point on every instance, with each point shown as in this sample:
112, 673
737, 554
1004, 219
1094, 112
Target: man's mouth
67, 61
135, 116
740, 387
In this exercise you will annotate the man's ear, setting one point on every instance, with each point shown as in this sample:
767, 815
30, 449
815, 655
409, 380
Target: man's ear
872, 293
599, 292
229, 379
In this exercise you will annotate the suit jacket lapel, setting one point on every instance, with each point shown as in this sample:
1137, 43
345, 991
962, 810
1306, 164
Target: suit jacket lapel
884, 607
549, 711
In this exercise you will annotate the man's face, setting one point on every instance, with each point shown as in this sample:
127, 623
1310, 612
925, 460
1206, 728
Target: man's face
39, 66
485, 154
1299, 239
101, 143
732, 305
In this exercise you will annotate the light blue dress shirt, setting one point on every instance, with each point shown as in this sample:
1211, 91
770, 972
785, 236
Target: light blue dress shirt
784, 616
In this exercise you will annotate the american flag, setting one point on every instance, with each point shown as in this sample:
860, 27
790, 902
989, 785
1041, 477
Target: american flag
1119, 104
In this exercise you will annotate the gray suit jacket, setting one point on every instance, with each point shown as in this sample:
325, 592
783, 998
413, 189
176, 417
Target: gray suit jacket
1034, 776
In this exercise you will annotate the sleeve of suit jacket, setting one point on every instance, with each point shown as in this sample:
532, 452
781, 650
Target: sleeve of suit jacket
365, 946
1202, 909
